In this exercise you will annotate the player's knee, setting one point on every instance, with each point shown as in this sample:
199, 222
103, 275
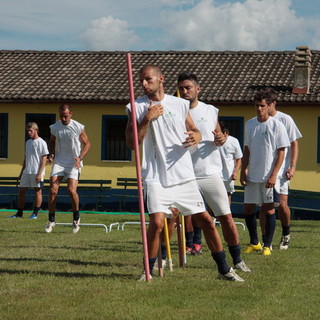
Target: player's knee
203, 220
156, 223
53, 192
72, 192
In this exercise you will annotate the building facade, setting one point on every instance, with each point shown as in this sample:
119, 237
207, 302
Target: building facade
34, 83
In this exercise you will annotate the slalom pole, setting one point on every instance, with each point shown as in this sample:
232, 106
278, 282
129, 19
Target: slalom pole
160, 265
138, 169
183, 236
183, 247
166, 234
179, 242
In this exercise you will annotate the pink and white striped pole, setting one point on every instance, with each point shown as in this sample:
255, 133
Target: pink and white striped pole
138, 169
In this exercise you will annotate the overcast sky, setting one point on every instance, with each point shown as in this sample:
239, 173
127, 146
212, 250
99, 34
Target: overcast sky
159, 24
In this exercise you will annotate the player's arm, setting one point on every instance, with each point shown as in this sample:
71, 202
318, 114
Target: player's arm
237, 165
219, 138
86, 145
244, 165
52, 147
278, 163
194, 134
142, 128
43, 162
294, 159
23, 167
154, 111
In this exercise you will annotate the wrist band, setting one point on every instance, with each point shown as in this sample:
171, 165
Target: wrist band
292, 165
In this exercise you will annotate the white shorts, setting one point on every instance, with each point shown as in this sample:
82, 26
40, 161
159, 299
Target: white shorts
215, 194
66, 172
186, 197
229, 184
284, 186
29, 181
257, 193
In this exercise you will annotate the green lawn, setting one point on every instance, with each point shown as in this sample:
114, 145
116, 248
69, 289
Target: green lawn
93, 275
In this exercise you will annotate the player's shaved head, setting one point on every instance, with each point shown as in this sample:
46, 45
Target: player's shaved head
154, 67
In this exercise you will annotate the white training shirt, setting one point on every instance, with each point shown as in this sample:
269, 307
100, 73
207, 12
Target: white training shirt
263, 140
206, 157
229, 151
293, 134
35, 150
68, 144
165, 160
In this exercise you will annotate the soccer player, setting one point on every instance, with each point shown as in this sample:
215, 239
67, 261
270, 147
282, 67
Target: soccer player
290, 163
207, 164
167, 132
231, 155
33, 170
264, 150
68, 146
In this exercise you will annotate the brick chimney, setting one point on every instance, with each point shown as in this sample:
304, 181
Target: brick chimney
302, 70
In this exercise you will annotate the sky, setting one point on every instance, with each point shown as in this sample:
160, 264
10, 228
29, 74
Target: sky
135, 25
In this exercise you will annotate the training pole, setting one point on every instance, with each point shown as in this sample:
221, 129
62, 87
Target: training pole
138, 169
167, 237
160, 265
183, 238
181, 233
179, 242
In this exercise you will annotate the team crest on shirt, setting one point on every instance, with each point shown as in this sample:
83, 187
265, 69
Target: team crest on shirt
170, 115
202, 120
200, 204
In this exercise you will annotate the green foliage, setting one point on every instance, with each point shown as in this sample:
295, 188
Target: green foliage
93, 275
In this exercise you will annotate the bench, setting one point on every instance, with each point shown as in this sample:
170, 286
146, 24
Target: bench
12, 191
298, 200
126, 183
95, 189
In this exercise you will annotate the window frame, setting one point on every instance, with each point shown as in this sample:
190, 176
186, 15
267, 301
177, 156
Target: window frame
51, 116
241, 121
318, 142
5, 127
104, 138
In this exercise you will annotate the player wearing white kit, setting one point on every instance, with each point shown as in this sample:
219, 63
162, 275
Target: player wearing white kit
166, 130
207, 164
265, 143
33, 170
67, 139
290, 164
231, 155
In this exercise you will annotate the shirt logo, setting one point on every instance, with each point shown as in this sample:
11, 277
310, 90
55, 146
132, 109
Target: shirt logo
202, 120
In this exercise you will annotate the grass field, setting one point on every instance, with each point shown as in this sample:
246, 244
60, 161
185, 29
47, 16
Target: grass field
93, 275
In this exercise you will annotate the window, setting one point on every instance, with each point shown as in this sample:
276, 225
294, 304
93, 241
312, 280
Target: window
235, 127
318, 153
43, 121
3, 135
114, 146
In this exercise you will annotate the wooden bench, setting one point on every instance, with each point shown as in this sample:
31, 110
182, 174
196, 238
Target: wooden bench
294, 202
296, 198
12, 192
126, 183
97, 189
